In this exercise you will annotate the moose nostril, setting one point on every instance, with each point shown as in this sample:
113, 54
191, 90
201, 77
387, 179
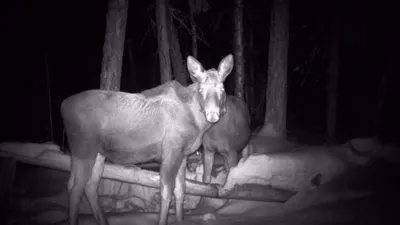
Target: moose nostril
212, 116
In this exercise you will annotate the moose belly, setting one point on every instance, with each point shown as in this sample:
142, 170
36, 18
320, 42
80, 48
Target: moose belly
131, 155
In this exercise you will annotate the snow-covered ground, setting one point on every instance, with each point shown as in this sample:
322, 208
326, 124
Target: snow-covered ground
329, 191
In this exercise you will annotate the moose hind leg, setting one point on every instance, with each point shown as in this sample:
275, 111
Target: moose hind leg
171, 162
80, 172
179, 191
91, 190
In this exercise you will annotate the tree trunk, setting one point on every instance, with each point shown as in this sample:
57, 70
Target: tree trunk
275, 115
333, 73
113, 49
178, 67
251, 87
389, 70
163, 44
48, 84
192, 6
239, 49
132, 74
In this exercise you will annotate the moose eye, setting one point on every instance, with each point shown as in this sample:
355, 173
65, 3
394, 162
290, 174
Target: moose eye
200, 90
222, 90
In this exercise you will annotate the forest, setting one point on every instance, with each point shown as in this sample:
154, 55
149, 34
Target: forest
317, 81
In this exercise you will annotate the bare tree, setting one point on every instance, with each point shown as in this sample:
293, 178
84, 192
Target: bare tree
196, 7
275, 115
163, 43
333, 72
132, 74
113, 49
388, 72
178, 67
239, 49
250, 86
193, 12
173, 15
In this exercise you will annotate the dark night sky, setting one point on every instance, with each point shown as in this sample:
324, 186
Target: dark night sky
71, 34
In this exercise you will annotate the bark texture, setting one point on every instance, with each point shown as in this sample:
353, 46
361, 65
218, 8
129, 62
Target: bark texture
275, 115
163, 43
113, 49
239, 50
192, 5
132, 73
178, 67
333, 73
389, 72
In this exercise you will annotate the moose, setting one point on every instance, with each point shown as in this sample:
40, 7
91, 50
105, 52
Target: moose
165, 123
228, 137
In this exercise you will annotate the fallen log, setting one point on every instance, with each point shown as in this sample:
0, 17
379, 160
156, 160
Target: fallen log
50, 155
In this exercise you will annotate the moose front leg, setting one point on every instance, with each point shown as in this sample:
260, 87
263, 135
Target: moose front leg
231, 159
171, 162
208, 162
179, 190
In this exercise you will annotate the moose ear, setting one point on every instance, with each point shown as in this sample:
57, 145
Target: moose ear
225, 67
196, 70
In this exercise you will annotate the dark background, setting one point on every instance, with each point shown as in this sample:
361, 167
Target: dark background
71, 35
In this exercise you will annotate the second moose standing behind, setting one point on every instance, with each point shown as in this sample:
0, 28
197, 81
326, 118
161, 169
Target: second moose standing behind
228, 136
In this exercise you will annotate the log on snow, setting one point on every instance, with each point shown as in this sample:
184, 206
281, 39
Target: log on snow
50, 155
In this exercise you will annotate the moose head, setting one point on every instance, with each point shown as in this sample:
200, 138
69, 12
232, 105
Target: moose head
211, 90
